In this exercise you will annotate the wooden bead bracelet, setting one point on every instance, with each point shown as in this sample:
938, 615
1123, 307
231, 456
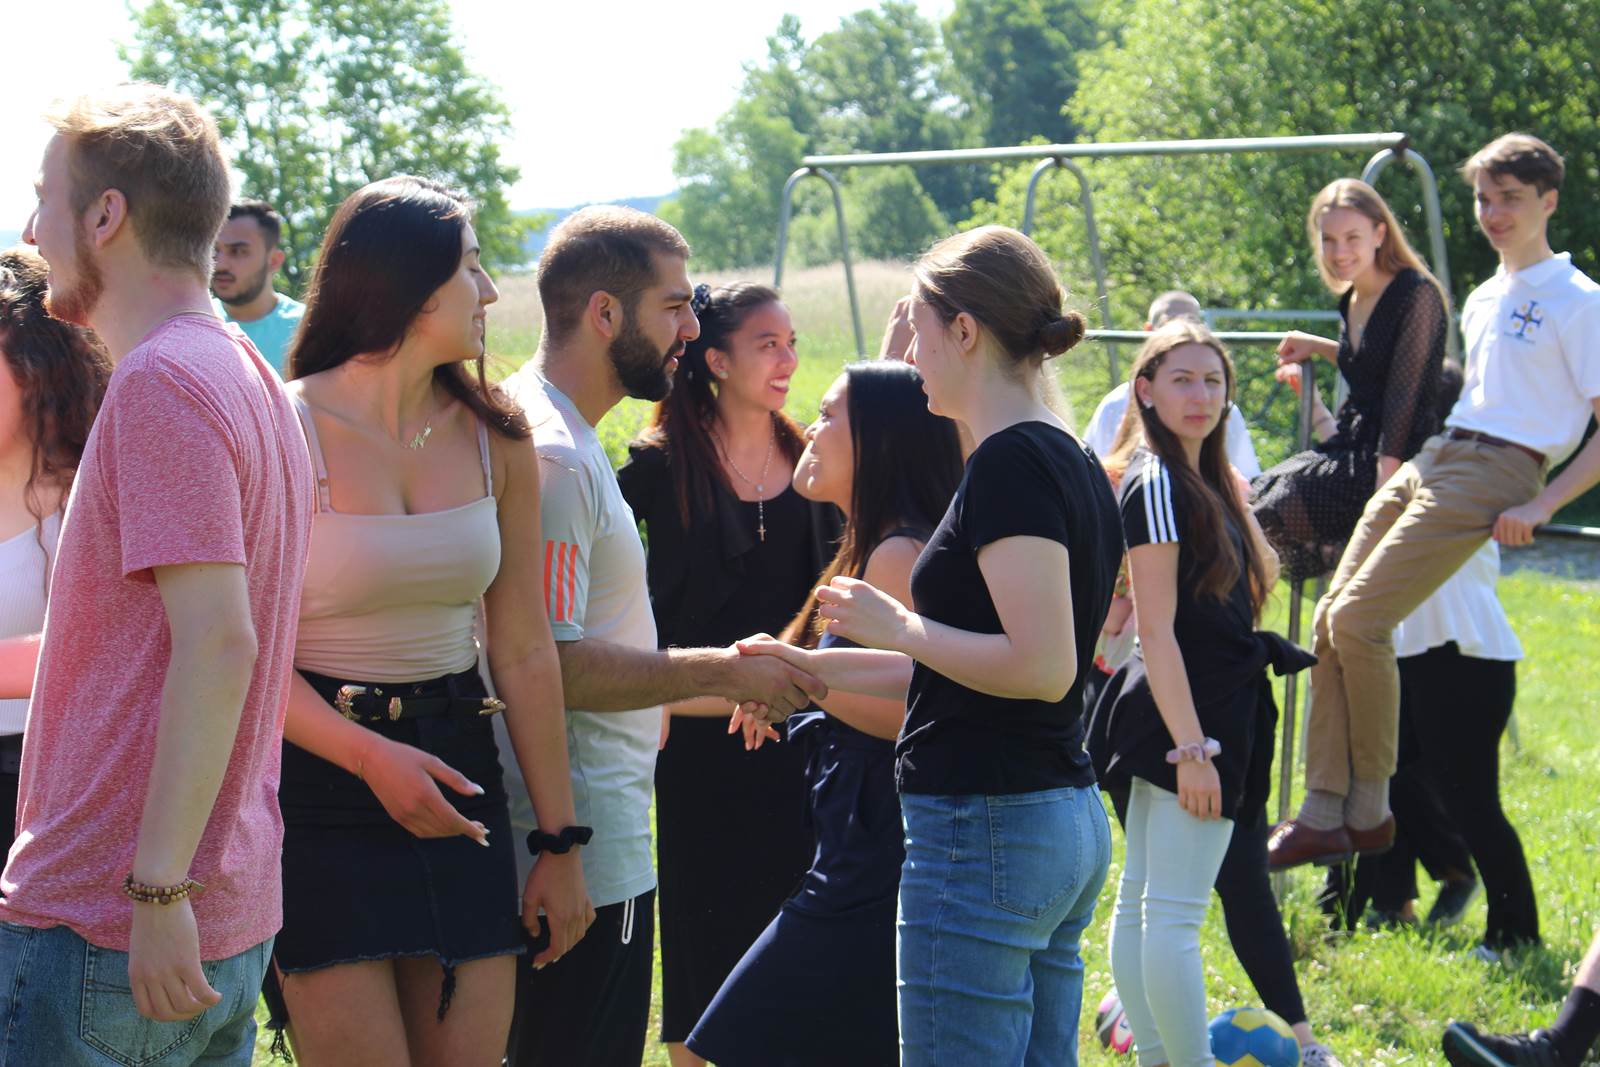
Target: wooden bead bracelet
159, 894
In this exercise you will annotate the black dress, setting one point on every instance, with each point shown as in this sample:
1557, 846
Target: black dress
1309, 504
828, 956
732, 834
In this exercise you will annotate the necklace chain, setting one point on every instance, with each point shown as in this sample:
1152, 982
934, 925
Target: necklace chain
420, 439
761, 486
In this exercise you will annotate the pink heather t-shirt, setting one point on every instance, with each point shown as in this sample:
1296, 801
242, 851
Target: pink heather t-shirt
196, 457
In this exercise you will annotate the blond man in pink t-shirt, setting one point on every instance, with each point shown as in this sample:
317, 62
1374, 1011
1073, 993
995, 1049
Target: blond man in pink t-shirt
142, 893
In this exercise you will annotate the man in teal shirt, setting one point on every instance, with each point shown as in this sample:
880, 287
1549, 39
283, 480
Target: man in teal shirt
247, 258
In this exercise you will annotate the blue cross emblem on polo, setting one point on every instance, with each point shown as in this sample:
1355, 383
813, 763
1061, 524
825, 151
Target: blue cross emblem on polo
1526, 320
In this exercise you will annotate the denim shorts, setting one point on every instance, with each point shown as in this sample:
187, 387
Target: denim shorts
68, 1003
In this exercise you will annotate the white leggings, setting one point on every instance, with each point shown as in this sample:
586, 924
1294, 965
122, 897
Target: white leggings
1171, 864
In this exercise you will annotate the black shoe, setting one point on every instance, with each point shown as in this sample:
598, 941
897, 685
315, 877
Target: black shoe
1465, 1047
1451, 904
1388, 919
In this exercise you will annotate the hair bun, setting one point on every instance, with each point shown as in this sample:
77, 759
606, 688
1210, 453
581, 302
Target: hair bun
1061, 334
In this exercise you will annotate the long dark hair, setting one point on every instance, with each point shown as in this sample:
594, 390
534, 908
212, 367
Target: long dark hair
390, 246
1210, 497
61, 372
683, 423
907, 464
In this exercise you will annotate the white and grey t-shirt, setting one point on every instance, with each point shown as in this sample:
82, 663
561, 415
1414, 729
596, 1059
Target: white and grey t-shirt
594, 567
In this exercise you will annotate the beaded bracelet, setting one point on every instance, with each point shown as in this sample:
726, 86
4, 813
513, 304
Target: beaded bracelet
1197, 752
159, 894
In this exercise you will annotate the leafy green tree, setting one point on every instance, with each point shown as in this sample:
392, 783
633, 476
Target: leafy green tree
1016, 62
731, 181
892, 217
880, 81
318, 97
1231, 229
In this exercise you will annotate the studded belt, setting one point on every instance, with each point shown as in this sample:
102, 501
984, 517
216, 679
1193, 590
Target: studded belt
360, 703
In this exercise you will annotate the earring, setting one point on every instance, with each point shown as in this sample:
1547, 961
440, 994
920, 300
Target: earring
722, 374
1148, 404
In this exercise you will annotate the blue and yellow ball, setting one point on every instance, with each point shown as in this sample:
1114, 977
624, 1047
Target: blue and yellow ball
1253, 1037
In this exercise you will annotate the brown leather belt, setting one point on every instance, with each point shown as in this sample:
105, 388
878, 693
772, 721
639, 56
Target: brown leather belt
1490, 439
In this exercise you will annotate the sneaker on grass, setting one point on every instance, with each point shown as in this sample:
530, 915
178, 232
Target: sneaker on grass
1465, 1047
1317, 1054
1451, 904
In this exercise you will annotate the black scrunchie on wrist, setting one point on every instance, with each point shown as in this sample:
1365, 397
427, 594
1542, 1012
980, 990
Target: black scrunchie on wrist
539, 841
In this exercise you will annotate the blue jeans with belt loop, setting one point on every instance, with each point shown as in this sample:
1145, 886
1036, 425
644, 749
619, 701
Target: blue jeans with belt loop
994, 897
68, 1003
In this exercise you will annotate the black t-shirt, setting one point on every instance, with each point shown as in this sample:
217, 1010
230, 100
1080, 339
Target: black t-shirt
1212, 633
1222, 657
1029, 480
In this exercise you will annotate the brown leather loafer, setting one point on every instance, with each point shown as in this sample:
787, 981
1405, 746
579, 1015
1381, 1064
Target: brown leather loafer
1292, 844
1373, 842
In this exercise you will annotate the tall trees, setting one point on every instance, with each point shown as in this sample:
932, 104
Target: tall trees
317, 97
886, 79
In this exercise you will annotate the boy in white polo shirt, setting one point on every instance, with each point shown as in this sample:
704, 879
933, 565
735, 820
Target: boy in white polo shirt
1532, 382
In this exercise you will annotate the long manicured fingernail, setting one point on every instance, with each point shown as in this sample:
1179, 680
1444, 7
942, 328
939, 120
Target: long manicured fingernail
476, 788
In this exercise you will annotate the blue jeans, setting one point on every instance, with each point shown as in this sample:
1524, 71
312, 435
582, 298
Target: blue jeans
994, 897
67, 1003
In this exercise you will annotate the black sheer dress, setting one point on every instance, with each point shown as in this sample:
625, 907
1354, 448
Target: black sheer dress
1309, 504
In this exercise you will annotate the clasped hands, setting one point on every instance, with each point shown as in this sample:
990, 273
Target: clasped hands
851, 609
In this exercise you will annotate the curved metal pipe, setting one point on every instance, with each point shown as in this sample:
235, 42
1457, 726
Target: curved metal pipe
784, 215
1439, 261
1096, 262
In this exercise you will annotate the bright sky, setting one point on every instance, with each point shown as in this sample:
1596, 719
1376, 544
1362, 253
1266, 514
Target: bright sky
598, 91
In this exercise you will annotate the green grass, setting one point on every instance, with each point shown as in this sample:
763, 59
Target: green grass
1376, 998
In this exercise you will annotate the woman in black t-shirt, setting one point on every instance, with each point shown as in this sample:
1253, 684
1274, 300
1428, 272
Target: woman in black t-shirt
1185, 727
1007, 843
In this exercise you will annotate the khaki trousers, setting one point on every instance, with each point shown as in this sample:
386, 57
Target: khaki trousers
1417, 530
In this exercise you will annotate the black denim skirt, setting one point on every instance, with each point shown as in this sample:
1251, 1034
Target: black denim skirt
359, 886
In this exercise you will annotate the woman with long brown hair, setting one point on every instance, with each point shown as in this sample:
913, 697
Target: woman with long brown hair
890, 465
401, 924
733, 550
1226, 688
52, 376
1184, 729
1393, 321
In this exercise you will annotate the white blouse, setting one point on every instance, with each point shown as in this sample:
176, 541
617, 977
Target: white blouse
1465, 610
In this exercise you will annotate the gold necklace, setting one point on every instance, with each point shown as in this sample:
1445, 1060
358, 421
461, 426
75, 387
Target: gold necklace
420, 438
760, 487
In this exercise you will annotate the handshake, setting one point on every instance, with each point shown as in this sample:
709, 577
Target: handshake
772, 680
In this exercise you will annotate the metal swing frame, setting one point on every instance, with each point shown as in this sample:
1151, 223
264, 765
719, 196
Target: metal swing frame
1386, 148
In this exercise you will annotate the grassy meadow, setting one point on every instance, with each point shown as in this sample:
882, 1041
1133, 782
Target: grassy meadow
1378, 998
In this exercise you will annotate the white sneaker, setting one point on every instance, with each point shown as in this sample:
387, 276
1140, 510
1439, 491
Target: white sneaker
1485, 954
1317, 1054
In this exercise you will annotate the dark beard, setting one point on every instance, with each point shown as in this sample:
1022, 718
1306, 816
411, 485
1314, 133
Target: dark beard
246, 294
640, 366
75, 305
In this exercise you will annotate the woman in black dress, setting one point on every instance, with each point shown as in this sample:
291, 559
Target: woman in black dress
891, 466
732, 550
1390, 348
